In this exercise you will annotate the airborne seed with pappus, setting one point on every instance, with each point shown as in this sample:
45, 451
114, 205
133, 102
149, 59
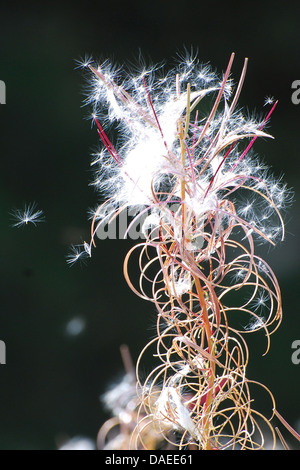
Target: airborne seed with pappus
28, 215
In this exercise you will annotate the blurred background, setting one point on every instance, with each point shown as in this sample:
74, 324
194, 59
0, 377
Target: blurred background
63, 326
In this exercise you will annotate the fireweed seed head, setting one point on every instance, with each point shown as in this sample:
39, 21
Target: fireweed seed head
28, 215
193, 111
183, 163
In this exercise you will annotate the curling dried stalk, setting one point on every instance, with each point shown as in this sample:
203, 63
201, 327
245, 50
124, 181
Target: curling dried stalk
186, 165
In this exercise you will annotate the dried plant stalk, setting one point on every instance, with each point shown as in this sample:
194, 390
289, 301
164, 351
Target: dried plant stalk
203, 200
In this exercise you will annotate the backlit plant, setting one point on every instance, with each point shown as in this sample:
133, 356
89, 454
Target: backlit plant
185, 164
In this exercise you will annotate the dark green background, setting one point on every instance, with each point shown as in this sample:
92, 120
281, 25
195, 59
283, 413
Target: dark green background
51, 383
